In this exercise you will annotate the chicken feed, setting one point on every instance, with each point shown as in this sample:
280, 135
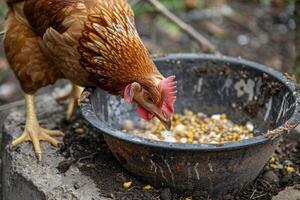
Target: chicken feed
192, 128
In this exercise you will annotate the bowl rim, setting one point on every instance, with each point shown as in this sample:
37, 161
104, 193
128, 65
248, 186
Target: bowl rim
89, 114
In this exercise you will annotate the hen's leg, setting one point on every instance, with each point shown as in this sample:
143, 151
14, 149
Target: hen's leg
33, 132
72, 97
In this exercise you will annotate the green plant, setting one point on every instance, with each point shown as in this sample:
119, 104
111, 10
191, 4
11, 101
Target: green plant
265, 2
169, 27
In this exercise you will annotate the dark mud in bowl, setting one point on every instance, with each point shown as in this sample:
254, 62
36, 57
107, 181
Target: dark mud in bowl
244, 90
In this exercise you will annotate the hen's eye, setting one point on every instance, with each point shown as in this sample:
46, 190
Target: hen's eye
149, 99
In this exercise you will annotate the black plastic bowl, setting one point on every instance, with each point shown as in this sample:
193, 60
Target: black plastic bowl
244, 90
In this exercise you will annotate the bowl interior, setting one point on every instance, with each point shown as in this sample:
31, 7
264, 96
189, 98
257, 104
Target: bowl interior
244, 90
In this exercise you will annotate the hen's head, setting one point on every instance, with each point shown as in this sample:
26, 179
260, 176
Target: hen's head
154, 98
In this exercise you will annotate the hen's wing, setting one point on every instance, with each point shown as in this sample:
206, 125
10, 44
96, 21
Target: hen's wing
90, 40
110, 57
22, 50
43, 14
61, 41
57, 24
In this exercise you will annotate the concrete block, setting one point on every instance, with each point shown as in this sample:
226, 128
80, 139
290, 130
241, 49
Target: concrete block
24, 178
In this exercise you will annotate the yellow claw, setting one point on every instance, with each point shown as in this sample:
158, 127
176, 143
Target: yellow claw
33, 132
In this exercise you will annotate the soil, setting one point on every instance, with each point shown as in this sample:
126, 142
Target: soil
270, 42
85, 147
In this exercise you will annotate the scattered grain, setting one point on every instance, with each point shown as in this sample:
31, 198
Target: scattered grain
147, 187
127, 185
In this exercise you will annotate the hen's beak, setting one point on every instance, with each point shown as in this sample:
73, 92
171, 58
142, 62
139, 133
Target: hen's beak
150, 107
166, 121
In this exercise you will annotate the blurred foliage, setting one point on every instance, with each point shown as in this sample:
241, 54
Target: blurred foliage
160, 21
2, 10
177, 5
291, 1
172, 29
268, 2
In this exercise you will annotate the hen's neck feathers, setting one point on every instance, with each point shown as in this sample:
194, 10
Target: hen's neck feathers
112, 52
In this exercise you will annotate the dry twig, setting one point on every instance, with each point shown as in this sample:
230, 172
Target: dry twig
184, 26
259, 196
252, 195
91, 156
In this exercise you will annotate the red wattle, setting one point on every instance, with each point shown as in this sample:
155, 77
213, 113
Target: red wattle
143, 113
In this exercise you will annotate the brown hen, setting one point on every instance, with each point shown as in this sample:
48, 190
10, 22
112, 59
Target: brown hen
90, 43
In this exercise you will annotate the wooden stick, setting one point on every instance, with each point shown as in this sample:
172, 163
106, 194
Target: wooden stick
184, 26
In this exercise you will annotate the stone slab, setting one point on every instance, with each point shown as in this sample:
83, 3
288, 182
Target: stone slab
24, 178
289, 193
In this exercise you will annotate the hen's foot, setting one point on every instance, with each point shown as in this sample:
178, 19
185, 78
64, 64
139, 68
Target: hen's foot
33, 132
72, 97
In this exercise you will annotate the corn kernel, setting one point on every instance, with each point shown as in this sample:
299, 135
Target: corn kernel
290, 170
90, 165
147, 187
179, 129
273, 166
223, 116
127, 185
190, 135
272, 160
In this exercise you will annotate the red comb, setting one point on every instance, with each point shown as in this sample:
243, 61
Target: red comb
169, 91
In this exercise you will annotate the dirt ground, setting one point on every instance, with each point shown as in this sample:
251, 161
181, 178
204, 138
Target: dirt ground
84, 145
